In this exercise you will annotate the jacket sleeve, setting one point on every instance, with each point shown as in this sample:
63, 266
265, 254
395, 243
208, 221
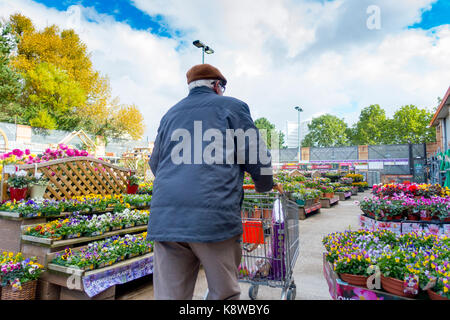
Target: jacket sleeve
260, 171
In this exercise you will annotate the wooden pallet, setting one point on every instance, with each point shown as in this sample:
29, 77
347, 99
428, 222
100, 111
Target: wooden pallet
329, 202
304, 212
344, 195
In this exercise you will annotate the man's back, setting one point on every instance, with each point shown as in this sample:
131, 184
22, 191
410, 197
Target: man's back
197, 190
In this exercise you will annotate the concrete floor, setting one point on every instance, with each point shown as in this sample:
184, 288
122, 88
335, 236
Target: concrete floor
308, 276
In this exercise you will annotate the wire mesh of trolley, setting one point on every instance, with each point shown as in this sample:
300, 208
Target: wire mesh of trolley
270, 243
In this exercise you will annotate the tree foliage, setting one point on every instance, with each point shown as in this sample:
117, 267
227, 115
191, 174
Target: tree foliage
372, 127
326, 131
60, 85
267, 129
10, 81
410, 125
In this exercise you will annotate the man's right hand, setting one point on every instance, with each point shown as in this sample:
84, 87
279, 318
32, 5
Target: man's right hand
279, 188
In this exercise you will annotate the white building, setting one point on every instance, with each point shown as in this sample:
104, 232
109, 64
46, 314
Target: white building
291, 133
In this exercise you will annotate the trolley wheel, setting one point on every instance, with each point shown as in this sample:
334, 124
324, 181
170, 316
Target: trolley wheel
253, 292
292, 291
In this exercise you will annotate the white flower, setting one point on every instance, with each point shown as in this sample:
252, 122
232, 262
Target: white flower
21, 173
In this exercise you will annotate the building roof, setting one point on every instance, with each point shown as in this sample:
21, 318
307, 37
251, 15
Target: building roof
442, 110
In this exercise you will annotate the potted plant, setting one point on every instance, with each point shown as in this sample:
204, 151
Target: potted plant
133, 184
38, 185
18, 185
19, 276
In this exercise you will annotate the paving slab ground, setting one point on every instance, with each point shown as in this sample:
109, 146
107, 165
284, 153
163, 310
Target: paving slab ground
308, 276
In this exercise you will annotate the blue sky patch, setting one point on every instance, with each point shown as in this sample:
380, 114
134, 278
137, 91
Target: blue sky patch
438, 15
122, 11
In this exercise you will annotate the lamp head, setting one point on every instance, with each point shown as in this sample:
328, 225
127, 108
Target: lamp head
198, 44
298, 109
209, 50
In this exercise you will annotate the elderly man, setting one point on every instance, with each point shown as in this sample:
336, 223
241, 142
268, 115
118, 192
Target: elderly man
196, 205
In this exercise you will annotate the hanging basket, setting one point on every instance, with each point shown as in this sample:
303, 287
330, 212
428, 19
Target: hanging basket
28, 292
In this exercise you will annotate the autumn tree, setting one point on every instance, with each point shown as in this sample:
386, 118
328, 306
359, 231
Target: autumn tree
62, 85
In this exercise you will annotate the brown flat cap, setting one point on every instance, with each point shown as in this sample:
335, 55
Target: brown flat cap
204, 71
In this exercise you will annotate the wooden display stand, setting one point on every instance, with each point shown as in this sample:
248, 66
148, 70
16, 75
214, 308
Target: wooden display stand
75, 176
306, 211
329, 202
66, 283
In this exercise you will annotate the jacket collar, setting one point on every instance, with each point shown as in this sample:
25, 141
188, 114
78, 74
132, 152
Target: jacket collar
198, 90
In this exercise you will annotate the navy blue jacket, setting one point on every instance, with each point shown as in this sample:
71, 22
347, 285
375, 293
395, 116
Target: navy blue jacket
194, 201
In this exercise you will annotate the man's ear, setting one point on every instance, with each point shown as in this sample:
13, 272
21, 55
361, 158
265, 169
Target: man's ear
216, 87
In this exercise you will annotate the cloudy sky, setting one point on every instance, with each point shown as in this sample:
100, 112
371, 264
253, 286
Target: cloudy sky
327, 56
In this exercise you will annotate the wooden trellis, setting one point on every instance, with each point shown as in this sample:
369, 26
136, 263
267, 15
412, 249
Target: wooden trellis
78, 176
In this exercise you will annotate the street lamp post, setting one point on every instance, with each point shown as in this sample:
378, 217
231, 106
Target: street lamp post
298, 130
205, 49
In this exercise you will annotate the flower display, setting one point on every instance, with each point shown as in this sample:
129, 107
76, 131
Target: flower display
410, 190
145, 188
81, 204
401, 257
15, 270
18, 156
402, 205
88, 225
105, 252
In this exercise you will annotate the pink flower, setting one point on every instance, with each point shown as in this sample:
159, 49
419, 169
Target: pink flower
77, 153
70, 152
362, 294
84, 153
27, 152
17, 152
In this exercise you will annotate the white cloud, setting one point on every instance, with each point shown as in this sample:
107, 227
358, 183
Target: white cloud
275, 54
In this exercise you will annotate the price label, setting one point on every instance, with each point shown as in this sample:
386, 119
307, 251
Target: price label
9, 169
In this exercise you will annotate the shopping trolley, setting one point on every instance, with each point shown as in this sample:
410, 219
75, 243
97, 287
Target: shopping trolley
270, 243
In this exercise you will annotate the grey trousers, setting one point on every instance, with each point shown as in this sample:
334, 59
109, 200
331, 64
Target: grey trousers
176, 266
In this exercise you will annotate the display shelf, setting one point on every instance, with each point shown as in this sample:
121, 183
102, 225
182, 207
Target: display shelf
99, 284
52, 243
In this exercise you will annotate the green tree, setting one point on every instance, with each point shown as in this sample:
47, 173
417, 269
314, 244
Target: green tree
326, 131
372, 127
410, 125
269, 128
10, 81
